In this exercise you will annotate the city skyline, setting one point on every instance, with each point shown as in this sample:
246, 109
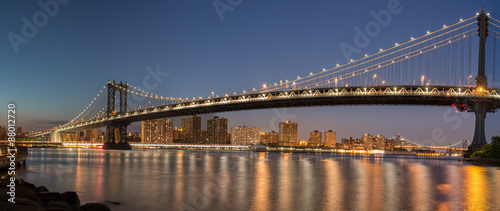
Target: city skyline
265, 58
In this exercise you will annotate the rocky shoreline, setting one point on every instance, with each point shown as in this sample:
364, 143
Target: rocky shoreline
30, 197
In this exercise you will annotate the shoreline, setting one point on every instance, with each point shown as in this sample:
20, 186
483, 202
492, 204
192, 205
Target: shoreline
482, 160
27, 196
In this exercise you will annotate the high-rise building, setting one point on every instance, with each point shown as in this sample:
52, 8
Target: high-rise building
177, 134
19, 131
348, 144
379, 142
316, 139
191, 129
157, 131
288, 133
389, 144
91, 135
330, 139
398, 140
368, 141
69, 137
217, 130
3, 133
228, 138
245, 135
273, 138
264, 138
204, 139
270, 138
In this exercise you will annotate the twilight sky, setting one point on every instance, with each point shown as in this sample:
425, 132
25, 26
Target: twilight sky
55, 71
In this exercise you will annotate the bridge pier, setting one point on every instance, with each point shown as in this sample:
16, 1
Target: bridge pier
479, 134
116, 137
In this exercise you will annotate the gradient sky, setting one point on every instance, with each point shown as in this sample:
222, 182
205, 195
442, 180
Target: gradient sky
60, 70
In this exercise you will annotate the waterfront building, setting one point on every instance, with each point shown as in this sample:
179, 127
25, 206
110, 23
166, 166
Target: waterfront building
217, 130
315, 139
191, 129
367, 140
390, 144
379, 142
264, 138
177, 133
157, 131
204, 139
330, 139
245, 135
288, 133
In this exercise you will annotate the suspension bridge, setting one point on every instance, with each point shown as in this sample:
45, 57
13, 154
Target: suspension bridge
436, 68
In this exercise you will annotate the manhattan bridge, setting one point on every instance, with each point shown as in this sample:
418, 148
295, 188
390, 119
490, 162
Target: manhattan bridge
437, 68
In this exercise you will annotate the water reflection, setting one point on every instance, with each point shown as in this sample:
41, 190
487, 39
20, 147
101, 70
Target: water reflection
476, 190
217, 180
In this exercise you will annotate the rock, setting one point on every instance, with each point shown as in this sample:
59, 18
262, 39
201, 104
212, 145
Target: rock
57, 209
25, 192
7, 206
56, 204
46, 197
41, 189
3, 194
25, 201
56, 195
72, 199
94, 207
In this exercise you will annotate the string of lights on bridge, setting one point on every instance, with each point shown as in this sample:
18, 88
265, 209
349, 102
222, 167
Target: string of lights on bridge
340, 68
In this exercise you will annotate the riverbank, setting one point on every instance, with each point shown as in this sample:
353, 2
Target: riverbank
482, 160
20, 152
30, 197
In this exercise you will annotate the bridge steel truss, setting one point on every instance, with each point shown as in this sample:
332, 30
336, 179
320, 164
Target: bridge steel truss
462, 98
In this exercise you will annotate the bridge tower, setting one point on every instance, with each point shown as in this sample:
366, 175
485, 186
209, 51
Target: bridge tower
480, 106
116, 132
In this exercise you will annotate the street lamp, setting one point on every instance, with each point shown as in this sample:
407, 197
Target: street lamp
422, 81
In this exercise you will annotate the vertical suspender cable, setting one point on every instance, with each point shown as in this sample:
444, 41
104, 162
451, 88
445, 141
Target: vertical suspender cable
494, 58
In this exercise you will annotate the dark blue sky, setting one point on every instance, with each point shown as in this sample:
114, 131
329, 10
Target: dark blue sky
61, 68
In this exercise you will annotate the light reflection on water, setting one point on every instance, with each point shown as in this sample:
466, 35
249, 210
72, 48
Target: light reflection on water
216, 180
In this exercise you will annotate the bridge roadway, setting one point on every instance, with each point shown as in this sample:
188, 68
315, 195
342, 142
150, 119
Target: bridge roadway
464, 96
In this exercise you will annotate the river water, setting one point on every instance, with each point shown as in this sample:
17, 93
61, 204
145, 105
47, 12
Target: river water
241, 180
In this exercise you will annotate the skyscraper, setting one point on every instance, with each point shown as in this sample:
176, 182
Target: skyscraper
157, 131
204, 139
217, 130
191, 129
315, 139
330, 139
245, 136
288, 133
273, 138
264, 138
379, 142
368, 141
177, 133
